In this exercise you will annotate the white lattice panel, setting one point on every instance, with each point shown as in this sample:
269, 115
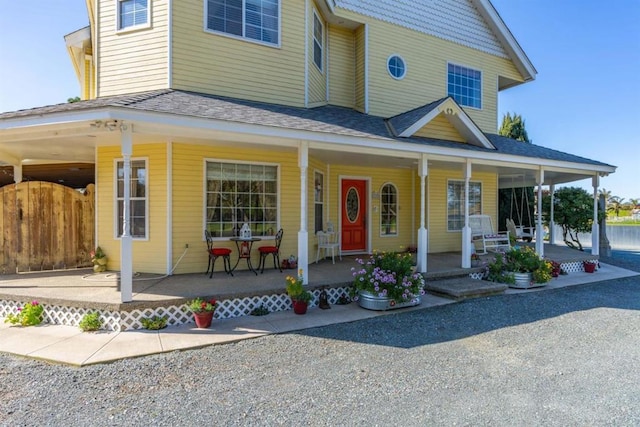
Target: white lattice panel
478, 275
572, 267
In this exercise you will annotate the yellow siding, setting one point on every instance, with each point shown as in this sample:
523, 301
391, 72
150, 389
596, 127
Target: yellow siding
132, 61
188, 200
360, 45
440, 128
149, 254
342, 67
317, 77
217, 64
426, 58
441, 240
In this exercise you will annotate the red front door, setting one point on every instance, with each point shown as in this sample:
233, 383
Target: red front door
354, 215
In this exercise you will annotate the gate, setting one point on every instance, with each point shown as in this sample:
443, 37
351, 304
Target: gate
45, 226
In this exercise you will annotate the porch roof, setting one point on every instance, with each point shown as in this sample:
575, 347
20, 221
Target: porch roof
328, 119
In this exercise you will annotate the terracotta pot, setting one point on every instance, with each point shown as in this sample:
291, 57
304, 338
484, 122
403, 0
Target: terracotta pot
203, 320
589, 267
299, 307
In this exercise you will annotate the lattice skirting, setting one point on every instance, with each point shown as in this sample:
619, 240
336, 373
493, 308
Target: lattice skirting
568, 267
176, 315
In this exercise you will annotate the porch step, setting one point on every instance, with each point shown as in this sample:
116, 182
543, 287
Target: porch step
459, 288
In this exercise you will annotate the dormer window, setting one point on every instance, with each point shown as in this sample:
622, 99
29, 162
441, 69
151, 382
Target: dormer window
132, 14
465, 85
249, 19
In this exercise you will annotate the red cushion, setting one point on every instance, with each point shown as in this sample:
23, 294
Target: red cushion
268, 249
220, 251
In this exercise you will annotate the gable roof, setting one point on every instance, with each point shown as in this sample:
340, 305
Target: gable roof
330, 120
471, 23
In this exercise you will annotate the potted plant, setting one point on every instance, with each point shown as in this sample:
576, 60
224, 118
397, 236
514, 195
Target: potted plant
99, 260
520, 267
475, 260
300, 297
203, 311
387, 280
590, 265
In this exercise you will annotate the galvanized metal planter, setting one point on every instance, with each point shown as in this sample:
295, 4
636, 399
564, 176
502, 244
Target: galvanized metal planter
525, 281
373, 302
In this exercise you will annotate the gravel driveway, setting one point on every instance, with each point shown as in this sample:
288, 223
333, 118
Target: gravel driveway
561, 357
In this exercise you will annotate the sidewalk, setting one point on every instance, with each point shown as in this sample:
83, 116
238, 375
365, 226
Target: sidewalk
69, 345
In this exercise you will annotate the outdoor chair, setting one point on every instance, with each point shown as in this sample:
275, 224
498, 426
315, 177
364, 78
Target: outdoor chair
273, 250
214, 253
326, 242
520, 232
484, 237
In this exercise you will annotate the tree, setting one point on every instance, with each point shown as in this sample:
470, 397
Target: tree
513, 127
573, 211
607, 195
74, 99
633, 203
615, 203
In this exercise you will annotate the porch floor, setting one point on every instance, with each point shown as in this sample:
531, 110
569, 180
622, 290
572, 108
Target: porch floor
85, 289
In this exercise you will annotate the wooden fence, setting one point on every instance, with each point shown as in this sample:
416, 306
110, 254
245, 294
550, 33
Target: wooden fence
45, 226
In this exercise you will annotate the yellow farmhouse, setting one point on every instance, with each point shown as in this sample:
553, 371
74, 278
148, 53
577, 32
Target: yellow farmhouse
376, 118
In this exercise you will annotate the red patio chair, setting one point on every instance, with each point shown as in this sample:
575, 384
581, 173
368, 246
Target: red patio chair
214, 253
273, 250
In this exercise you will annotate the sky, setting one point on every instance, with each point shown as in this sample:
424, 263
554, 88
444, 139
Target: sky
585, 99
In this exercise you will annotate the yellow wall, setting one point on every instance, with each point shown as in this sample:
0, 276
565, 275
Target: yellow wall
342, 67
132, 61
441, 240
440, 128
360, 57
149, 255
217, 64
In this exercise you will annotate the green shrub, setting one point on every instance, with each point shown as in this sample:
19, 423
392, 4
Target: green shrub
90, 322
154, 323
29, 315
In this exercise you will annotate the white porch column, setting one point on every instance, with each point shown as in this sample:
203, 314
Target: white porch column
423, 171
552, 223
595, 228
539, 229
17, 174
126, 252
466, 230
303, 236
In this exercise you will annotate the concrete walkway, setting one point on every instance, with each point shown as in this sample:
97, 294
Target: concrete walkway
66, 344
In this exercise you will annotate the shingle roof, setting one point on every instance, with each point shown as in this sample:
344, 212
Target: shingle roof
326, 119
404, 121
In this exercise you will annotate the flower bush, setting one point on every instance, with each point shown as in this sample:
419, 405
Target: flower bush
388, 274
29, 315
200, 305
519, 260
295, 288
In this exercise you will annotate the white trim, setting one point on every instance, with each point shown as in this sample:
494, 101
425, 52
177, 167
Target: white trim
368, 180
95, 46
306, 53
313, 40
132, 28
457, 64
327, 80
397, 233
277, 45
404, 64
366, 68
146, 198
170, 45
169, 224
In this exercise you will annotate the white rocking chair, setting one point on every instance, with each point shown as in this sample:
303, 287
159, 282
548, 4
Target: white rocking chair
326, 242
484, 237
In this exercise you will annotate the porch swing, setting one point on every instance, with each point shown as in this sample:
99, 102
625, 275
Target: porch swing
520, 231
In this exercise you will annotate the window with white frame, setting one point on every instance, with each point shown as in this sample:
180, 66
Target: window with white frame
389, 210
318, 31
396, 67
251, 19
132, 13
138, 201
455, 203
238, 193
465, 85
318, 190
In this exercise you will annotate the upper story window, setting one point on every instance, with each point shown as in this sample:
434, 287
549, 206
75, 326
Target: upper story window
389, 210
132, 13
317, 41
138, 202
396, 67
251, 19
465, 85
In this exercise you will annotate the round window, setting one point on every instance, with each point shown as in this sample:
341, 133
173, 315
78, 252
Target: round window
396, 67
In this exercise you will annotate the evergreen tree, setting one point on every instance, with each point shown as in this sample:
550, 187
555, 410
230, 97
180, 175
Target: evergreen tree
514, 127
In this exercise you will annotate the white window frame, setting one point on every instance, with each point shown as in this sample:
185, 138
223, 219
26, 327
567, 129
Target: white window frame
317, 203
238, 162
120, 29
461, 202
117, 199
395, 55
397, 207
459, 101
243, 37
318, 43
